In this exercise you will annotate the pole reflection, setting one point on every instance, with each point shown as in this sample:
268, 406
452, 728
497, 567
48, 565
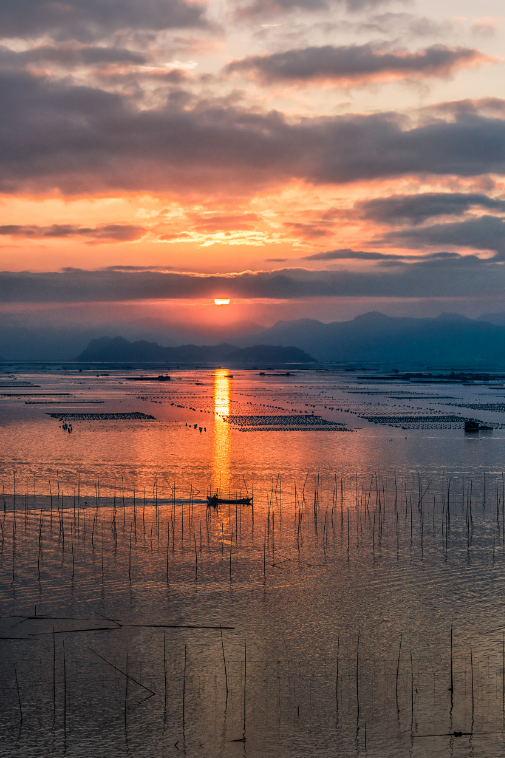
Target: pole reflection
220, 478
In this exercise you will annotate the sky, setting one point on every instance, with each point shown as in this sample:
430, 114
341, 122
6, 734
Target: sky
304, 158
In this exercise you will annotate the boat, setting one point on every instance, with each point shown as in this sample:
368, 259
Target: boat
476, 426
216, 500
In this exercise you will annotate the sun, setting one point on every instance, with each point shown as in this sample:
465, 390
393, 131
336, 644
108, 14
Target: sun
221, 301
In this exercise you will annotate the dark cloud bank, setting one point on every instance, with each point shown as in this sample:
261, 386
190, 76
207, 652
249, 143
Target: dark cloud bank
250, 10
58, 137
437, 276
416, 209
94, 19
69, 56
103, 232
484, 233
353, 63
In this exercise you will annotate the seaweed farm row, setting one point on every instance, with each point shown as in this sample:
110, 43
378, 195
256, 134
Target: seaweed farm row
283, 422
349, 615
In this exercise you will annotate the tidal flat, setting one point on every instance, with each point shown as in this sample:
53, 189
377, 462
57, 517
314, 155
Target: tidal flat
355, 607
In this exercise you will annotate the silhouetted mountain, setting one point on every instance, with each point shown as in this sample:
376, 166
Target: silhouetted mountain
493, 318
450, 338
23, 337
120, 350
449, 316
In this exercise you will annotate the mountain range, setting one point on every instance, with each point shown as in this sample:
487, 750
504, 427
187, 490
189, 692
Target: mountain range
121, 350
449, 338
372, 337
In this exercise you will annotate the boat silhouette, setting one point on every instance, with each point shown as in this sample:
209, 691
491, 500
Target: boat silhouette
216, 500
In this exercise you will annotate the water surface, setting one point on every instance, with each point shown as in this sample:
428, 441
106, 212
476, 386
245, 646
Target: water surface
317, 621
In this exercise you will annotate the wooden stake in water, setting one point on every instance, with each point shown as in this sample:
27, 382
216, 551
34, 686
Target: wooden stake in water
336, 678
412, 693
473, 701
165, 668
451, 688
357, 677
398, 673
168, 544
54, 675
184, 692
64, 693
130, 556
225, 669
245, 680
126, 701
19, 695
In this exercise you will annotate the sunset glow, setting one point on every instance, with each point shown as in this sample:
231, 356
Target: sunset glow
312, 159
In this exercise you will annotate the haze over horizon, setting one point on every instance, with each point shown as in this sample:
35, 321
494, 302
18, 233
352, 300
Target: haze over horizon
306, 159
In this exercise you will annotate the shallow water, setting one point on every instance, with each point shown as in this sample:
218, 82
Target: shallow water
316, 622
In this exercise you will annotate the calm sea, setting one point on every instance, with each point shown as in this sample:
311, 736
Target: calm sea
353, 607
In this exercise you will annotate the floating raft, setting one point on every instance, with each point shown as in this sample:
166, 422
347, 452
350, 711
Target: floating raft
103, 416
412, 421
329, 428
64, 402
495, 407
283, 423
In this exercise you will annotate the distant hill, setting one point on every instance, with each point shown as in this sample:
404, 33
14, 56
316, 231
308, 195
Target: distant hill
120, 350
449, 338
493, 318
48, 337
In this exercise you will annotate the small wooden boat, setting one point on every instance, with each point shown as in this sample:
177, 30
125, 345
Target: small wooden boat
216, 500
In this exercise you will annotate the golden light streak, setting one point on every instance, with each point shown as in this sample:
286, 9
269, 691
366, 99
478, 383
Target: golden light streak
221, 438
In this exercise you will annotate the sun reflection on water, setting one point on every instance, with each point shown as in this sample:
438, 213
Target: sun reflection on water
220, 479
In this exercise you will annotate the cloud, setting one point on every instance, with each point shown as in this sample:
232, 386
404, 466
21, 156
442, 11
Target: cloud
77, 140
128, 268
274, 7
437, 276
94, 19
485, 27
101, 233
402, 24
355, 64
415, 209
484, 233
457, 109
224, 222
308, 231
69, 56
348, 254
362, 255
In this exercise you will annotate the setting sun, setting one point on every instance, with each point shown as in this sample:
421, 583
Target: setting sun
221, 301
